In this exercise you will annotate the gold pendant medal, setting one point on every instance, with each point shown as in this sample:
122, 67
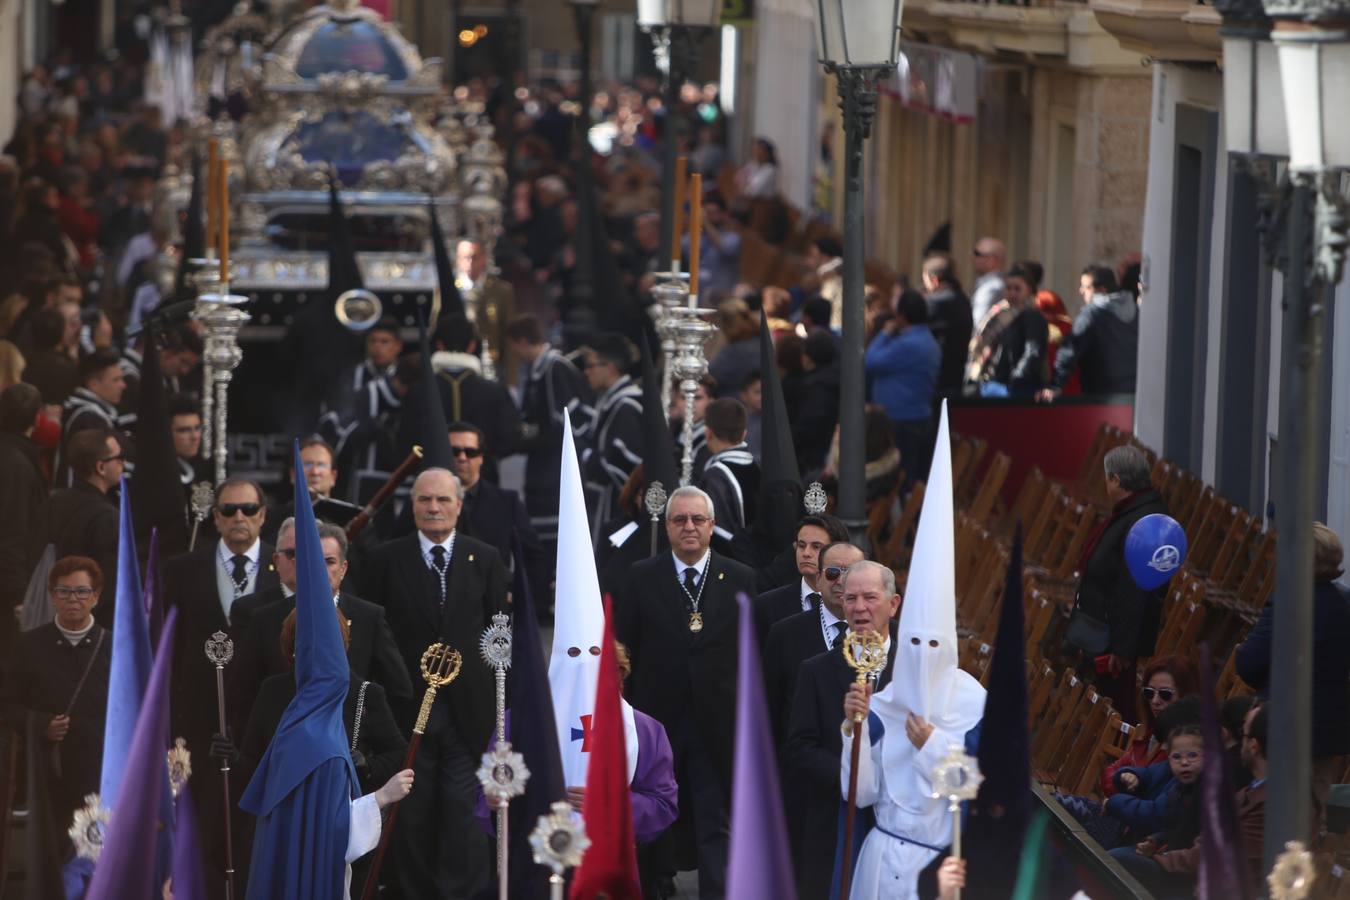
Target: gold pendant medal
696, 622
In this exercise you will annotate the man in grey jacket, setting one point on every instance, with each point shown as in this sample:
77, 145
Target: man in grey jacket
1104, 343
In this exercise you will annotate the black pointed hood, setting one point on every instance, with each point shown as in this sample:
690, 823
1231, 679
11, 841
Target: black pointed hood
344, 274
658, 449
194, 232
780, 458
452, 304
436, 453
159, 501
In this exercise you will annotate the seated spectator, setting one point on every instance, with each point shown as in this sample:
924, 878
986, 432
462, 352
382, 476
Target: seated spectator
903, 364
56, 683
1330, 662
720, 254
1166, 680
1251, 810
758, 178
824, 279
1109, 826
1142, 793
1103, 345
1180, 820
1232, 715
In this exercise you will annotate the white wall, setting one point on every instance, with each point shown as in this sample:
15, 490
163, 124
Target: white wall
786, 89
1173, 85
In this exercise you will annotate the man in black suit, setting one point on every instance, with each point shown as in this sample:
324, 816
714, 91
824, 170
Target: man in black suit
678, 620
439, 585
814, 534
794, 640
258, 620
814, 741
204, 585
493, 514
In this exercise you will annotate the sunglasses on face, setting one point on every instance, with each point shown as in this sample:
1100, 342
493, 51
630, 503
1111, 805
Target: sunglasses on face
696, 521
229, 510
469, 452
65, 593
833, 573
1164, 694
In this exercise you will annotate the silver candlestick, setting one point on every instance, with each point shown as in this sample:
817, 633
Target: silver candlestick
495, 645
671, 290
690, 364
204, 278
559, 841
221, 315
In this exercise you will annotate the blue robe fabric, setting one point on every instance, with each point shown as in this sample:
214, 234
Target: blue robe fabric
305, 782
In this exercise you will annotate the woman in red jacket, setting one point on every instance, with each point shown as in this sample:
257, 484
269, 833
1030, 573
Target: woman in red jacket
1166, 680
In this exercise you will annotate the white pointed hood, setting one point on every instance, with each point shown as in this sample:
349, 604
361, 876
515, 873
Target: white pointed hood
579, 626
927, 679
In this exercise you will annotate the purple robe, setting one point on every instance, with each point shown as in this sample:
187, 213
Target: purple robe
654, 794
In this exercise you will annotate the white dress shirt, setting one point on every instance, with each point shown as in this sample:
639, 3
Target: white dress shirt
225, 586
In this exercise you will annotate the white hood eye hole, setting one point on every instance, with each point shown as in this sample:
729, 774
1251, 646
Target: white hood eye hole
595, 651
932, 643
914, 641
574, 651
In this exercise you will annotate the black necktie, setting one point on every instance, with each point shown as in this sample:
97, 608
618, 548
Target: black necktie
240, 572
839, 628
813, 600
691, 580
438, 563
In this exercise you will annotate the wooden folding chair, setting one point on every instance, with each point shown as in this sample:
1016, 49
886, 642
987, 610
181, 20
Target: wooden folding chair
1084, 761
901, 541
1115, 741
990, 486
1063, 712
1039, 692
1026, 505
879, 516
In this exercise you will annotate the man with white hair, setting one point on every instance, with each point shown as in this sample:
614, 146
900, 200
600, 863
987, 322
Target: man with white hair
678, 619
438, 585
929, 706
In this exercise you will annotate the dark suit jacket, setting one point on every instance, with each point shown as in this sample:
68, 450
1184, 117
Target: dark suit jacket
686, 681
773, 606
81, 521
492, 514
791, 642
811, 764
190, 584
399, 579
257, 619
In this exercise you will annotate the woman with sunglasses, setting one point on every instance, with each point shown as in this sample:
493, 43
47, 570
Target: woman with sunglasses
1166, 680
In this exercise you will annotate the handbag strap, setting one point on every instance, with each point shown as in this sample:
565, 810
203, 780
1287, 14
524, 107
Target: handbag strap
88, 667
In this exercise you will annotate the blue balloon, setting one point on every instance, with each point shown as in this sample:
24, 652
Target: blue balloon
1155, 548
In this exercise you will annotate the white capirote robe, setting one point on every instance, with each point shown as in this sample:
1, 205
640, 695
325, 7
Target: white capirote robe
886, 867
363, 832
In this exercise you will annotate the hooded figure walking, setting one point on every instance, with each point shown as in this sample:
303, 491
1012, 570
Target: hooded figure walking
928, 706
312, 820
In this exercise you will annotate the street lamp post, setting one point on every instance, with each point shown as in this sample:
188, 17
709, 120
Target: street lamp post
677, 27
859, 44
1281, 99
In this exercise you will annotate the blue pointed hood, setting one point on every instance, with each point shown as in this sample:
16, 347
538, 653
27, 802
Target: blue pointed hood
311, 731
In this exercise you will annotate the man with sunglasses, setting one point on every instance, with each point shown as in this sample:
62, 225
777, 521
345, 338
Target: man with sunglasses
678, 619
812, 631
866, 602
205, 584
987, 259
258, 620
492, 514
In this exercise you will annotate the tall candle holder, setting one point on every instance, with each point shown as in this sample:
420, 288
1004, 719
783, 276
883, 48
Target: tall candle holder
221, 315
670, 291
690, 365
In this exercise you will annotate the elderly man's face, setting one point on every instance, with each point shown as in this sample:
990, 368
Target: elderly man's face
334, 563
436, 504
284, 558
689, 526
239, 516
471, 260
831, 581
867, 605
